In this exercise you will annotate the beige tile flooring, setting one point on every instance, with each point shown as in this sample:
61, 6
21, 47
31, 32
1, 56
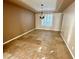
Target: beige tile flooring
38, 44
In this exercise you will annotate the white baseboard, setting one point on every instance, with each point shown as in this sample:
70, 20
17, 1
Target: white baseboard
67, 46
18, 36
49, 29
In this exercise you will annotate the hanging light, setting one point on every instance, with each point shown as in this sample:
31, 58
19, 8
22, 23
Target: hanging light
42, 16
42, 13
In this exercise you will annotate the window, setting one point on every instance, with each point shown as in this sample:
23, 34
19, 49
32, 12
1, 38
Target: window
47, 21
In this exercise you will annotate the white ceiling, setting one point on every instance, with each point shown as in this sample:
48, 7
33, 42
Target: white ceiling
49, 5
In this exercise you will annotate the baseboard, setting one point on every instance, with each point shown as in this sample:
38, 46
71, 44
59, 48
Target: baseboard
17, 36
48, 29
67, 46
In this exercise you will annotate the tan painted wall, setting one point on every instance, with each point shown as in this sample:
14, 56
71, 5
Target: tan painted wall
68, 27
17, 20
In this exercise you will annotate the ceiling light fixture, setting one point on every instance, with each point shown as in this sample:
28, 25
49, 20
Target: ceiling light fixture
42, 13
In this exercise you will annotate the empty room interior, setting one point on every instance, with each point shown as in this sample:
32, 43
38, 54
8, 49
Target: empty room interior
38, 29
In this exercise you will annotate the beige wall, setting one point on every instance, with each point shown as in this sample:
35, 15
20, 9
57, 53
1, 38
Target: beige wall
56, 22
17, 20
68, 27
